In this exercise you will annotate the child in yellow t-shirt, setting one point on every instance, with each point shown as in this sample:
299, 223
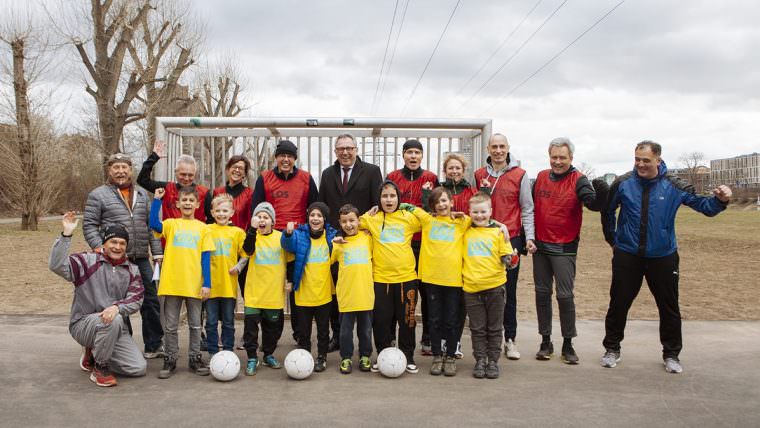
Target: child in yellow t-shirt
228, 241
485, 254
394, 272
185, 276
355, 291
264, 288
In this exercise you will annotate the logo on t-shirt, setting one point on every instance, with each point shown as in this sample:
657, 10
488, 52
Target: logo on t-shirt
392, 234
318, 254
223, 246
355, 256
478, 247
186, 239
442, 232
268, 256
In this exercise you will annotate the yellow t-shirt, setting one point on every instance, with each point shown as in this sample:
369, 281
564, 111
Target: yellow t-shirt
441, 251
482, 268
265, 283
393, 259
316, 282
355, 288
228, 241
181, 269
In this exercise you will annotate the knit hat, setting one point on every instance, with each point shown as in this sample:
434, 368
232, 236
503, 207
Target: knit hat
115, 231
321, 206
411, 144
267, 208
286, 147
119, 158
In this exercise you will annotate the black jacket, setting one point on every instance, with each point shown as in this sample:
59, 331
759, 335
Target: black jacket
363, 188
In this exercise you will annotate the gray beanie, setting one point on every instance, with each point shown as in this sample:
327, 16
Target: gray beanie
267, 208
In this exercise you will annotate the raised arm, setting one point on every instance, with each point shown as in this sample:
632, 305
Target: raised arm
59, 256
144, 177
155, 208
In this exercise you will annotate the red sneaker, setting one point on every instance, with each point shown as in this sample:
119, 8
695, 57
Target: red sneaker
102, 376
87, 360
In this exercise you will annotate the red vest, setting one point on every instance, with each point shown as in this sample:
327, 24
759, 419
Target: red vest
462, 200
169, 206
505, 197
242, 206
558, 211
411, 191
288, 197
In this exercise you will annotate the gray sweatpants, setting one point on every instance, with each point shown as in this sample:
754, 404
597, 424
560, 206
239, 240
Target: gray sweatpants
111, 344
172, 308
560, 270
486, 312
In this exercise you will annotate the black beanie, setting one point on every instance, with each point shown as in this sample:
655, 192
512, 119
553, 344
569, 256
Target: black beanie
411, 144
321, 206
115, 231
286, 147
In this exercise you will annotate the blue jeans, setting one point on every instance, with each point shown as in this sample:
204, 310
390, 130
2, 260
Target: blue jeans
150, 310
363, 320
216, 308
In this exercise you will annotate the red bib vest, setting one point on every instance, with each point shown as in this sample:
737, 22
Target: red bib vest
558, 212
242, 206
505, 197
169, 205
411, 191
288, 197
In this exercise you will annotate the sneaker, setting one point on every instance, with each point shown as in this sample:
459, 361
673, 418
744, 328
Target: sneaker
437, 368
443, 346
545, 352
87, 360
158, 353
321, 364
374, 368
271, 362
199, 366
427, 349
346, 366
250, 368
672, 365
170, 365
365, 364
240, 347
102, 376
458, 354
334, 345
492, 370
449, 366
510, 350
412, 368
479, 371
610, 359
568, 354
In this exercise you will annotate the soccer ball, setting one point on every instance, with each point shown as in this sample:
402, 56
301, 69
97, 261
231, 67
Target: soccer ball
224, 366
299, 364
391, 362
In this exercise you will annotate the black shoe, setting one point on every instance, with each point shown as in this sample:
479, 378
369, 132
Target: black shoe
198, 366
170, 365
546, 351
492, 370
479, 371
568, 354
321, 364
334, 345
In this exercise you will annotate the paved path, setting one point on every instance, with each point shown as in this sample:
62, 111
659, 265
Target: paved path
43, 386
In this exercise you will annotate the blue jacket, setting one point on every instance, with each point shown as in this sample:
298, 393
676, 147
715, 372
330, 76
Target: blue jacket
646, 222
299, 243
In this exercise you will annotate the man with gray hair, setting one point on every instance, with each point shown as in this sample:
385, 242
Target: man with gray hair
559, 194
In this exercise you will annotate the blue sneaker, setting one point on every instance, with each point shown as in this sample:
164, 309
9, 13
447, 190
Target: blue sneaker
271, 361
250, 369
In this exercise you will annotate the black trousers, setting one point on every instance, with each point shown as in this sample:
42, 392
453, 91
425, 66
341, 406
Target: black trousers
322, 316
334, 310
628, 272
397, 301
271, 321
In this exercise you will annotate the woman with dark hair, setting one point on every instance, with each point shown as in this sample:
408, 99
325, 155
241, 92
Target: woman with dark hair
237, 172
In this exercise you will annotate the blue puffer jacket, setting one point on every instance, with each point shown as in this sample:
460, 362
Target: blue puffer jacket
646, 223
299, 243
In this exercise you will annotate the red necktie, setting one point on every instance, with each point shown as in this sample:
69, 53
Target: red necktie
345, 178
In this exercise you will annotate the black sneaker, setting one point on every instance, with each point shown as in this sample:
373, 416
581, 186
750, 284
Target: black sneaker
321, 364
545, 351
170, 365
568, 354
479, 371
334, 345
198, 366
492, 370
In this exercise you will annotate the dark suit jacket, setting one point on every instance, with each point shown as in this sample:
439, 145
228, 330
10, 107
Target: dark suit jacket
363, 188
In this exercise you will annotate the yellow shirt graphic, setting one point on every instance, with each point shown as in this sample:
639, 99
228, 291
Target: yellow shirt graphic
316, 283
482, 268
355, 289
265, 283
228, 243
441, 251
181, 269
393, 259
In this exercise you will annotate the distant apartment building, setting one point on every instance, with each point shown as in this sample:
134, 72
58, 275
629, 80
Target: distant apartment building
699, 176
738, 172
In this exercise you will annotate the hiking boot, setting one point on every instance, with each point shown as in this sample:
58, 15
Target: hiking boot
568, 354
426, 348
87, 360
199, 366
334, 345
170, 365
102, 376
157, 353
450, 366
365, 364
271, 362
610, 359
492, 370
346, 366
458, 354
545, 351
437, 368
510, 350
250, 368
672, 365
321, 364
412, 368
479, 371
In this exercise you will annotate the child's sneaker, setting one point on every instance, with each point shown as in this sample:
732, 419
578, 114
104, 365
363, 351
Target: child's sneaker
375, 368
250, 368
365, 364
87, 360
492, 370
102, 376
479, 371
170, 365
510, 350
443, 346
458, 354
412, 368
158, 353
437, 368
427, 350
346, 366
199, 366
271, 362
321, 364
450, 366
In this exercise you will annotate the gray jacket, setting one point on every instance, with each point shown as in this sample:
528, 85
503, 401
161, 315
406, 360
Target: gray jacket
98, 284
106, 206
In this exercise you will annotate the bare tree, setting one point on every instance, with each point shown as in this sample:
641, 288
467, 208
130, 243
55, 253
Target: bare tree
693, 165
587, 170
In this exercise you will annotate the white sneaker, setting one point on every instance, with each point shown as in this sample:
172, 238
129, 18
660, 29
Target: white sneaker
610, 359
443, 346
510, 349
374, 368
412, 368
672, 365
459, 354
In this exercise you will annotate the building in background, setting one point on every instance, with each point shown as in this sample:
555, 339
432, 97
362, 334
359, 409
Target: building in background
698, 176
738, 172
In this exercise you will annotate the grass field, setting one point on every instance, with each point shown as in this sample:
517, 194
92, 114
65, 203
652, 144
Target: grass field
720, 270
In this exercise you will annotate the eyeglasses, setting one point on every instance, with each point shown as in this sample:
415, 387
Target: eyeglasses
345, 149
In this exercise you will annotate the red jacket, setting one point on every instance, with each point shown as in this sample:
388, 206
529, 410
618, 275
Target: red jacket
290, 198
241, 204
505, 197
410, 185
169, 204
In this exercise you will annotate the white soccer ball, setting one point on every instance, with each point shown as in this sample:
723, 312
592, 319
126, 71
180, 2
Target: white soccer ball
391, 362
299, 364
224, 366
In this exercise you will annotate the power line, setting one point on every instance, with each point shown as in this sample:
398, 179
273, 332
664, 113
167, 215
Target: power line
382, 63
557, 55
416, 85
501, 45
393, 53
514, 54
